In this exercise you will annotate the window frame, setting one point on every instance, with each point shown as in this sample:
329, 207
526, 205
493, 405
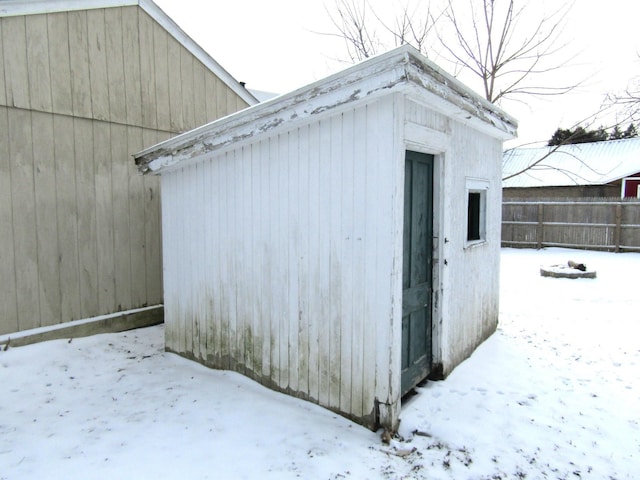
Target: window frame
480, 187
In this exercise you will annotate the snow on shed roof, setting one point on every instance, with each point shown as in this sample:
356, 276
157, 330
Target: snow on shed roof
401, 69
32, 7
596, 163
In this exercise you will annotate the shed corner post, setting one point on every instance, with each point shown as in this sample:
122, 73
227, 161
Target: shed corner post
388, 416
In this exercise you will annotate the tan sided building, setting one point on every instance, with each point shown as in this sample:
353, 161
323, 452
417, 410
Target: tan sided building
83, 85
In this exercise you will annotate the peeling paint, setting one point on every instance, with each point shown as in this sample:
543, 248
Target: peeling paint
262, 205
403, 67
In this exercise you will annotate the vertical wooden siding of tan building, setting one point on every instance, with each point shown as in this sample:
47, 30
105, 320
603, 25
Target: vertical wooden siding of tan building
80, 91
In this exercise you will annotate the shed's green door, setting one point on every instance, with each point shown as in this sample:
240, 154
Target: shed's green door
416, 269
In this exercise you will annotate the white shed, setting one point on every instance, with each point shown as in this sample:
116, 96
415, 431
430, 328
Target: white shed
339, 243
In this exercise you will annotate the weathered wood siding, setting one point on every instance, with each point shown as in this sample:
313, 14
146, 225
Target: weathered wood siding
590, 223
279, 259
79, 93
466, 277
471, 318
576, 191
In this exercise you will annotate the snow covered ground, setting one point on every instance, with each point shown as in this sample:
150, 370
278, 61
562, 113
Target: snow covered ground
554, 394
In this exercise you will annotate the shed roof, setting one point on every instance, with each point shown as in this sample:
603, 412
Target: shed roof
596, 163
401, 69
32, 7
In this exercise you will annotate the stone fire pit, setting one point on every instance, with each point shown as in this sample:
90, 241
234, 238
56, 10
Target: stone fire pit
569, 270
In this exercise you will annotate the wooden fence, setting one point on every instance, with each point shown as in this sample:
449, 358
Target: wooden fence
588, 223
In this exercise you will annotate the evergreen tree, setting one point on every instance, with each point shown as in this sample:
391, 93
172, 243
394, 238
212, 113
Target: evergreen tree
617, 134
577, 135
630, 132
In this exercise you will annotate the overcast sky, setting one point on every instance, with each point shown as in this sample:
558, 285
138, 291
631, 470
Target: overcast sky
277, 46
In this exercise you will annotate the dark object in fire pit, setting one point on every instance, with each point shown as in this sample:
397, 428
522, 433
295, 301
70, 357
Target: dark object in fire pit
578, 266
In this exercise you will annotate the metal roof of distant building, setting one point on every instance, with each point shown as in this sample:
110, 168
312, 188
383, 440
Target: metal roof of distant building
33, 7
595, 163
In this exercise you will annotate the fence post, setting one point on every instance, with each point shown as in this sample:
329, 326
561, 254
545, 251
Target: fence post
539, 231
617, 231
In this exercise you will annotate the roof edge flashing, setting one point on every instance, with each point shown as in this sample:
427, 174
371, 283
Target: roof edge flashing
402, 68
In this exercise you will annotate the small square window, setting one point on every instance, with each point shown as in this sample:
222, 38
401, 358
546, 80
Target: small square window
476, 210
473, 216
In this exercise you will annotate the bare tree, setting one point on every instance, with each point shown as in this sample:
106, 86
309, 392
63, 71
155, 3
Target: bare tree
628, 102
507, 45
365, 32
494, 40
499, 43
351, 24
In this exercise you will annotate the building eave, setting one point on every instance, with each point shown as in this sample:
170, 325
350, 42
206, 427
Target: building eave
402, 69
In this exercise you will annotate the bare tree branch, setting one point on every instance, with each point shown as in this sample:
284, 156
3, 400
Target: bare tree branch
358, 24
500, 42
351, 24
491, 43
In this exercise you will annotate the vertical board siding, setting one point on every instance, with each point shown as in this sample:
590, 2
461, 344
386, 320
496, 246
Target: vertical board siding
131, 58
147, 72
86, 212
137, 221
38, 63
161, 71
427, 117
96, 43
591, 223
8, 298
60, 63
462, 325
199, 94
46, 218
358, 319
115, 65
16, 74
152, 229
186, 86
472, 269
175, 87
65, 199
281, 248
81, 91
24, 218
385, 176
3, 85
104, 217
79, 61
120, 173
295, 252
316, 234
300, 199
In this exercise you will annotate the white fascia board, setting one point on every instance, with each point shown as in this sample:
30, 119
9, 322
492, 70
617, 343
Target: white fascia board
454, 99
33, 7
320, 98
401, 69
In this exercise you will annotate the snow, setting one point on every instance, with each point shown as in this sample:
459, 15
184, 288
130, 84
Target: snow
554, 393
